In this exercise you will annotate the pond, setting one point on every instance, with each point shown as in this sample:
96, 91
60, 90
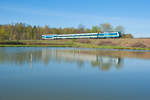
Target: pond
48, 73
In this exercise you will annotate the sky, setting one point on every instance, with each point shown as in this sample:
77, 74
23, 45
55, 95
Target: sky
133, 15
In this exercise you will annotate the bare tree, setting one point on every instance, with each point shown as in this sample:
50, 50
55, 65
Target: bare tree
106, 27
119, 29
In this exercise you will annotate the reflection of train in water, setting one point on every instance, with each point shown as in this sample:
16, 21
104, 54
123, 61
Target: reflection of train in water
83, 35
82, 57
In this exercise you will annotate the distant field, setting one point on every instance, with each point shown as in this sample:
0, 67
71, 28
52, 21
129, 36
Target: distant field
138, 43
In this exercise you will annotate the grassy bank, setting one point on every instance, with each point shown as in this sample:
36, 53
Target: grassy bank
134, 44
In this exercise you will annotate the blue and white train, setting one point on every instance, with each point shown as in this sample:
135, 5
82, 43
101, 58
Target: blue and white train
83, 35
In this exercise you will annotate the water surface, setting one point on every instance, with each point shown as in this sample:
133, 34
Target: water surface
30, 73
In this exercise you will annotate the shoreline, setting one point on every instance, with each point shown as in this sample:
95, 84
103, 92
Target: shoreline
82, 43
77, 46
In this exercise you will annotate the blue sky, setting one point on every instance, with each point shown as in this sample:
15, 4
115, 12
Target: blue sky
132, 14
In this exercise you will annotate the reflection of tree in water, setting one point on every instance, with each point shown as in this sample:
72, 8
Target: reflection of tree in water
80, 64
19, 57
106, 67
45, 55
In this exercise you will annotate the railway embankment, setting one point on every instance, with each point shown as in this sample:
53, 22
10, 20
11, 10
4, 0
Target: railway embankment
139, 44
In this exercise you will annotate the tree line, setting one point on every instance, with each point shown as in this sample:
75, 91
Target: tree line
22, 31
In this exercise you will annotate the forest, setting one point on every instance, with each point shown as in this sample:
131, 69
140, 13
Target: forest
22, 31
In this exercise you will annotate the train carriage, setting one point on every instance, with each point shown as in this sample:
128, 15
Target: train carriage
83, 35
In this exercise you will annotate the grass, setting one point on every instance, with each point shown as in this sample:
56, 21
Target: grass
35, 46
79, 45
63, 43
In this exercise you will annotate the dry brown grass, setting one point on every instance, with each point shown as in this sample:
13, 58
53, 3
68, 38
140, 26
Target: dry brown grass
126, 42
139, 45
107, 43
83, 40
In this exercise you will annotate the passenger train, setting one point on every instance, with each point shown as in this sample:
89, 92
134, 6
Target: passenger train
83, 35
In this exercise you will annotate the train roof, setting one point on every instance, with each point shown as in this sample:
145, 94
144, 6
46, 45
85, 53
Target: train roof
77, 34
